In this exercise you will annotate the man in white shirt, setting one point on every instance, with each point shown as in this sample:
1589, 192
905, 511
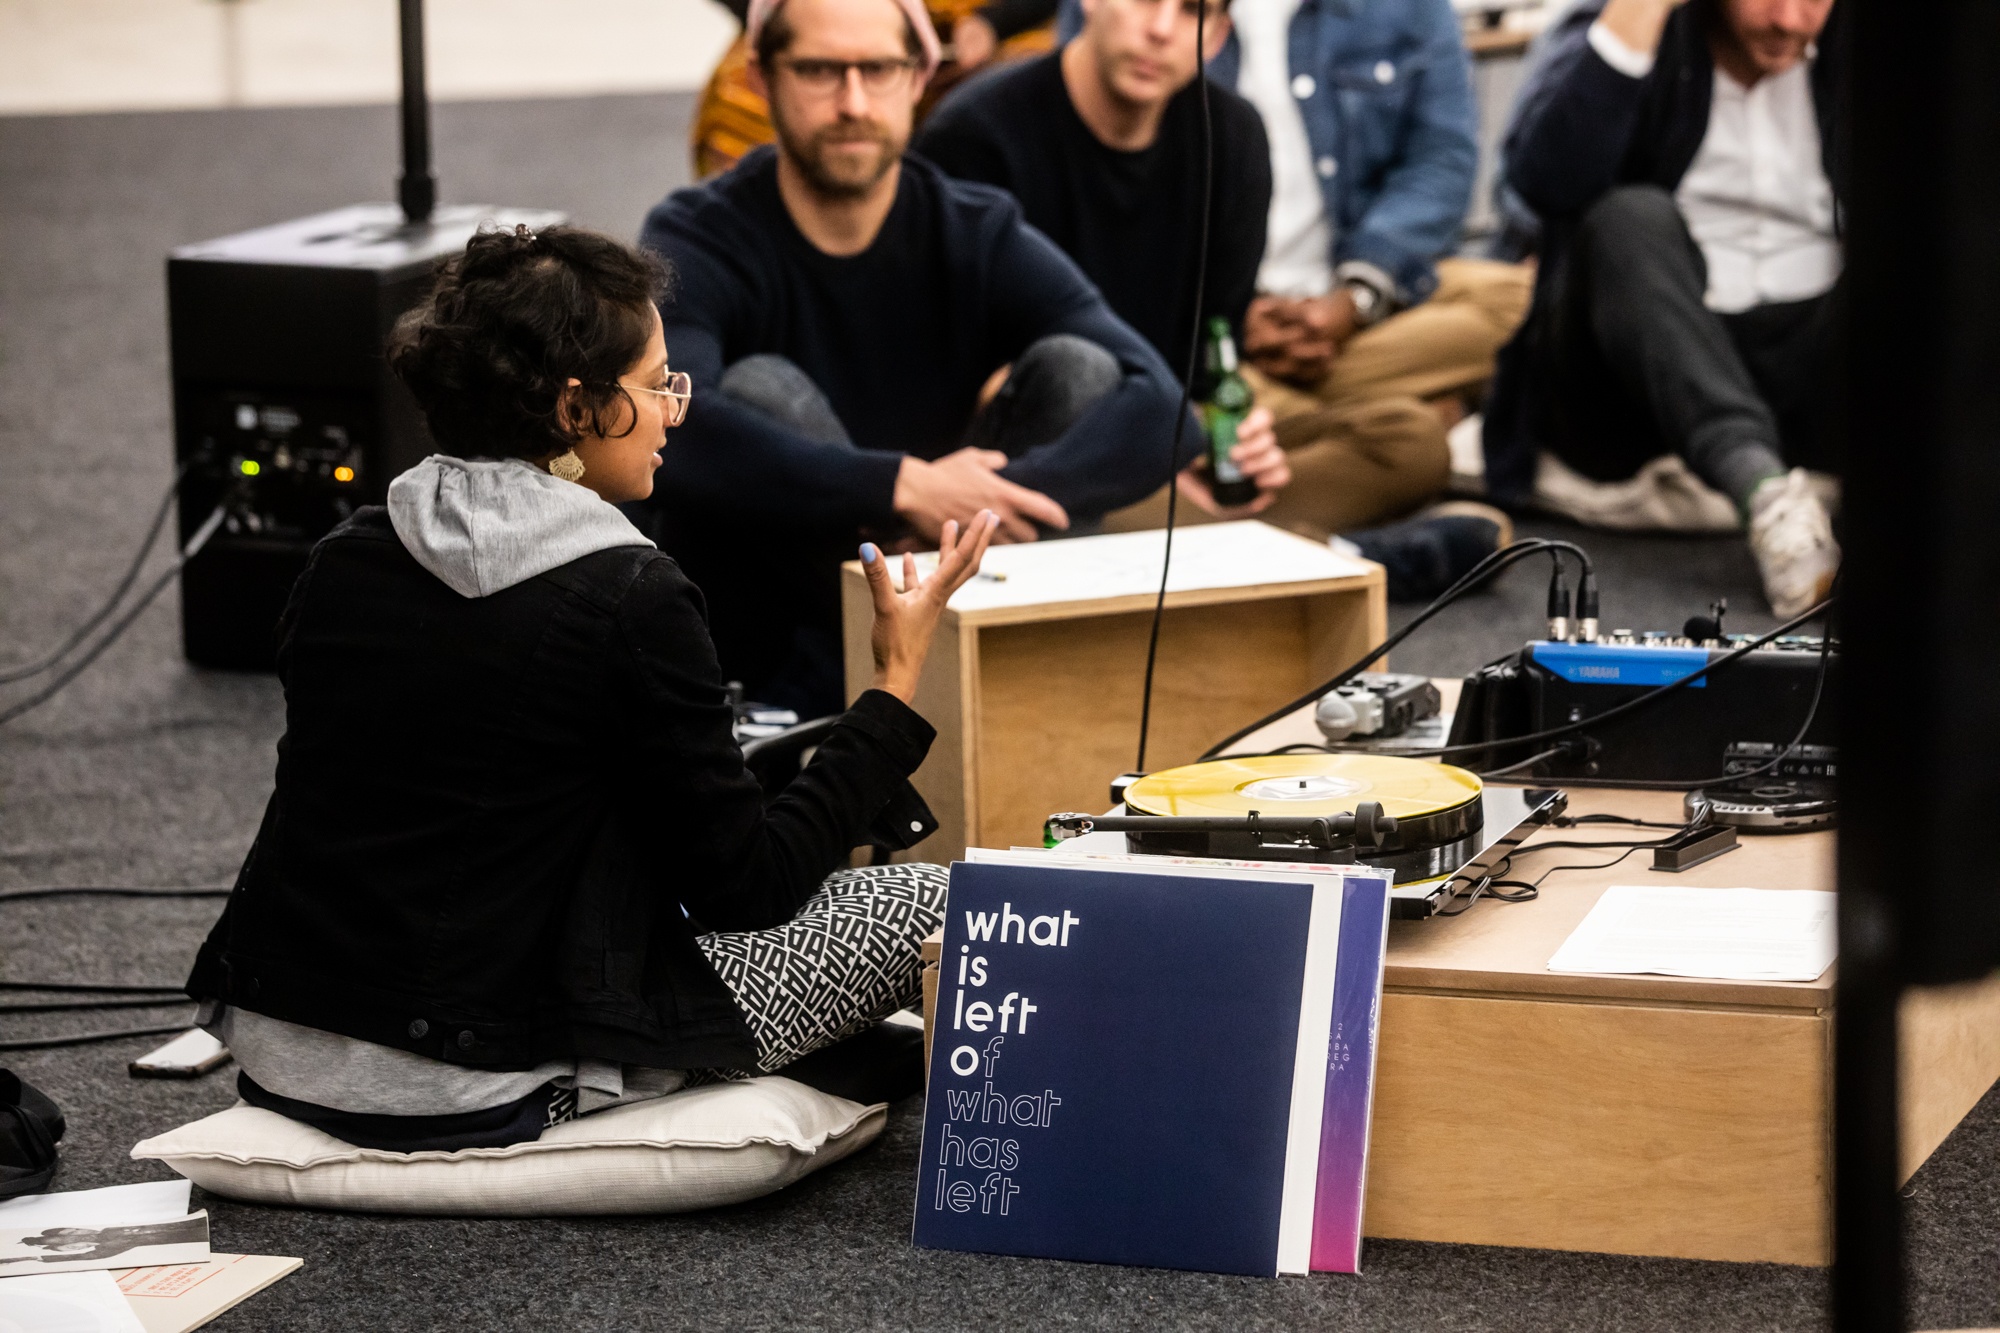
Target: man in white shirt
1684, 160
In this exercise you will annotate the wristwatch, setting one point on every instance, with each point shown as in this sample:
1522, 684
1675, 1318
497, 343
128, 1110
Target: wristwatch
1368, 303
1372, 291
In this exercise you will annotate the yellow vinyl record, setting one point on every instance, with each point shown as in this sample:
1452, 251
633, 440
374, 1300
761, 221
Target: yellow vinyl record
1307, 785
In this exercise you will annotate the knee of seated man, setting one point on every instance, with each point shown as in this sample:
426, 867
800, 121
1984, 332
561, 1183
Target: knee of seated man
1066, 366
764, 377
775, 386
1408, 435
1631, 217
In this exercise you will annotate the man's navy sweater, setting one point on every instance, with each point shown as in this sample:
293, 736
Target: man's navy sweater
899, 337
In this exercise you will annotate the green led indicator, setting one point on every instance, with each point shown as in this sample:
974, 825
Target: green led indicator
249, 467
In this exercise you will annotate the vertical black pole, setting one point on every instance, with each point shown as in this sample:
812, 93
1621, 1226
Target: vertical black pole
416, 190
1918, 410
1884, 150
1867, 1212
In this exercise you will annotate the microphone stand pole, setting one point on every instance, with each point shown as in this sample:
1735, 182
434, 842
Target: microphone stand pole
416, 188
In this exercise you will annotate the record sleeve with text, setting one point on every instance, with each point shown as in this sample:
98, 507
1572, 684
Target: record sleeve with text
1153, 1062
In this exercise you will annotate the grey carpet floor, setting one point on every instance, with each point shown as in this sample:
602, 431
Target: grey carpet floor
148, 772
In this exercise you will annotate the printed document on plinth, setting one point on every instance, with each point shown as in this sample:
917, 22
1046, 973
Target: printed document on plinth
1154, 1061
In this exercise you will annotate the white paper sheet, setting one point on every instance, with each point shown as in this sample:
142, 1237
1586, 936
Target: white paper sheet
117, 1205
66, 1303
1681, 931
1216, 555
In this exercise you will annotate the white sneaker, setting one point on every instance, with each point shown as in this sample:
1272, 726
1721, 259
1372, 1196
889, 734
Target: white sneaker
1467, 443
1827, 487
1792, 539
1664, 496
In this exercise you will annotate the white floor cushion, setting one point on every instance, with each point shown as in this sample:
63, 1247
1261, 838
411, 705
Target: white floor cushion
707, 1146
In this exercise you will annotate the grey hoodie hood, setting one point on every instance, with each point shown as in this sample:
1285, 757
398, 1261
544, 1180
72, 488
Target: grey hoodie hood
484, 526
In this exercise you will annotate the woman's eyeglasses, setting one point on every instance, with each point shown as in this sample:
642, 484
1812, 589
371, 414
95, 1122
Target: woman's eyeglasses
878, 77
675, 391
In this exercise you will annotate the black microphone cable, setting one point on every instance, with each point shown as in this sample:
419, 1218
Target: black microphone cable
90, 1038
1187, 381
24, 670
124, 622
1471, 581
110, 891
88, 988
80, 1006
69, 997
65, 997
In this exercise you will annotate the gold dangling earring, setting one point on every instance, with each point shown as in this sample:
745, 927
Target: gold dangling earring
567, 466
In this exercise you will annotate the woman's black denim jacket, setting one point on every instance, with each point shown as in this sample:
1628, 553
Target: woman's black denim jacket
499, 822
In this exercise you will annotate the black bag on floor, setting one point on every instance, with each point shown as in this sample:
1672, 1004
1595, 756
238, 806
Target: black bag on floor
30, 1126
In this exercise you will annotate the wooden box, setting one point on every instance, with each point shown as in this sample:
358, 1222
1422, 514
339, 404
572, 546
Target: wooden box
1652, 1115
1035, 678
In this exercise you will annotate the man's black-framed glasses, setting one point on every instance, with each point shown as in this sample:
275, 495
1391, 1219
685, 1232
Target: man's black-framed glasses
879, 77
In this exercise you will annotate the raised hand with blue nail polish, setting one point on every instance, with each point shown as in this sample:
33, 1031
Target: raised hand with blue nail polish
906, 618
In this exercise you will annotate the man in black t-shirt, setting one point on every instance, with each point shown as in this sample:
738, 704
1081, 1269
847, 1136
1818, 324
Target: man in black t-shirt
1102, 146
1101, 142
842, 310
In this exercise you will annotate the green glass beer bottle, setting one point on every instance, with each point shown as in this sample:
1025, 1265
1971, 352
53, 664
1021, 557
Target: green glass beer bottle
1229, 401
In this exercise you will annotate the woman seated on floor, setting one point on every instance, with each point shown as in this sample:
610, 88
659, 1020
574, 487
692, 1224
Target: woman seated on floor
514, 869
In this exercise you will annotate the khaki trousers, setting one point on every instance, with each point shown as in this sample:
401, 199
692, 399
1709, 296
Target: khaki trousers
1364, 446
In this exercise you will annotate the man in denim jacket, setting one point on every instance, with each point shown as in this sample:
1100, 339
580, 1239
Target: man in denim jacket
1366, 340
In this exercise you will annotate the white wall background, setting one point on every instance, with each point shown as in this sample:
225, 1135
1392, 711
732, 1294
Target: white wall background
66, 56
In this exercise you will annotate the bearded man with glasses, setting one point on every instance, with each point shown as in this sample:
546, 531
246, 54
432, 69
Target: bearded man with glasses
845, 312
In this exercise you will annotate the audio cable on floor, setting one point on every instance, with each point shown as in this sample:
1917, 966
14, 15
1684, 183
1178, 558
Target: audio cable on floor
89, 996
26, 670
91, 1038
76, 668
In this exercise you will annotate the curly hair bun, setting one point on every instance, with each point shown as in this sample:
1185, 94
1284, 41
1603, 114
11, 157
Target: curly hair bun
510, 322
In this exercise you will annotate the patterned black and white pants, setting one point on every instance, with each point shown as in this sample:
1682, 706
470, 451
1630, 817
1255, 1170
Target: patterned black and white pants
848, 958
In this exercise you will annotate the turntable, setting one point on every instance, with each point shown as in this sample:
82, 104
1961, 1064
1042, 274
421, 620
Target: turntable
1429, 824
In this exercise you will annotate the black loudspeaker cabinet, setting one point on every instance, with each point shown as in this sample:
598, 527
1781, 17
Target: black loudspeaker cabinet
283, 402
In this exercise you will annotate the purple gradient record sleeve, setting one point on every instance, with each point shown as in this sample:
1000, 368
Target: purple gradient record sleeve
1350, 1076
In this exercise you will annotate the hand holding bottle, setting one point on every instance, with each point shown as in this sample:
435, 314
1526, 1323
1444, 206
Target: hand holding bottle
1257, 456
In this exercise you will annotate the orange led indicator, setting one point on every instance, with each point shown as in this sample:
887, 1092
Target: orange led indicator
343, 474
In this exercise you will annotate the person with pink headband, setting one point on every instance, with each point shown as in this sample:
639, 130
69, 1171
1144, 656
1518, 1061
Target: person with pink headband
876, 350
914, 13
